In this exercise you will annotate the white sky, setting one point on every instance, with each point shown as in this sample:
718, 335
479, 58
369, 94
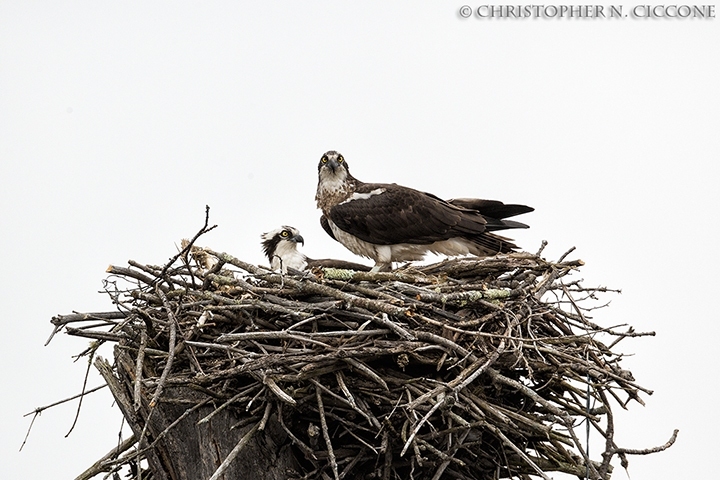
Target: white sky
120, 121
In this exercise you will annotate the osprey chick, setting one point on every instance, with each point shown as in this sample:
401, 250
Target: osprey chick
280, 246
391, 223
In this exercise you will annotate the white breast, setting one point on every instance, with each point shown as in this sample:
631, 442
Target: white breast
331, 184
287, 255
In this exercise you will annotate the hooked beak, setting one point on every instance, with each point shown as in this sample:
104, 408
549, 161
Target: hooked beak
333, 164
298, 239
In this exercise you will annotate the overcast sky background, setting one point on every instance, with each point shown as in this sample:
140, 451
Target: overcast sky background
120, 121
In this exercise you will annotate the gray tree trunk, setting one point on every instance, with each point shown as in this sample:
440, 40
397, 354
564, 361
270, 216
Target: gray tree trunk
189, 451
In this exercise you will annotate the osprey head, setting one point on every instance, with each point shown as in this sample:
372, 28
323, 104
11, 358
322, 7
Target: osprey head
334, 178
284, 238
333, 166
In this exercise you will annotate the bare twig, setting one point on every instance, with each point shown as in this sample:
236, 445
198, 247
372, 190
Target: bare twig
234, 452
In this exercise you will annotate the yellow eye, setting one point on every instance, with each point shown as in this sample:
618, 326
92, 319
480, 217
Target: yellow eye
340, 159
324, 159
284, 233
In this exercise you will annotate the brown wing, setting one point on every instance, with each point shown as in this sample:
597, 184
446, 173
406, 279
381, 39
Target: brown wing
403, 215
326, 226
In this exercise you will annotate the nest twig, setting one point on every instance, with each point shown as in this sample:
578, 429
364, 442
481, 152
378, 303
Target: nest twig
478, 368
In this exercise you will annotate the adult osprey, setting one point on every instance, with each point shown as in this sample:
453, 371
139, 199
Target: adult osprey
391, 223
280, 246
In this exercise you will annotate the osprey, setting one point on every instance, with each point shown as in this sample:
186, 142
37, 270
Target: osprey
280, 246
391, 223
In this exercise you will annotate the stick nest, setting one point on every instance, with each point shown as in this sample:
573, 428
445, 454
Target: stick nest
469, 368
